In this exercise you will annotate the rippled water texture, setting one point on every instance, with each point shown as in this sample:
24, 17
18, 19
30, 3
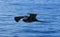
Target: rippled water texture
47, 10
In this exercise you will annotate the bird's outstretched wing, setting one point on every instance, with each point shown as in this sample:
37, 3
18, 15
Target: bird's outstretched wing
17, 18
32, 15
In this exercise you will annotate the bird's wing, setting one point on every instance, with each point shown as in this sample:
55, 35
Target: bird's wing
33, 15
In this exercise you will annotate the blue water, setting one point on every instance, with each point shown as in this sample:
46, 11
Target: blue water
47, 10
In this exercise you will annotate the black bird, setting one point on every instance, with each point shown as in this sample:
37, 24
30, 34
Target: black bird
31, 18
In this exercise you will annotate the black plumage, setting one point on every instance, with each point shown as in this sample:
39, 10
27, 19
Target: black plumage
31, 18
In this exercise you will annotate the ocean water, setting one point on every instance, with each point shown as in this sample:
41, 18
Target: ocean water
47, 10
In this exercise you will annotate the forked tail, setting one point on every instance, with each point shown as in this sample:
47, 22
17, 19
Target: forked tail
40, 21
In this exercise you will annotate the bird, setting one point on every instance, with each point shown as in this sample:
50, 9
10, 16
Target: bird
31, 18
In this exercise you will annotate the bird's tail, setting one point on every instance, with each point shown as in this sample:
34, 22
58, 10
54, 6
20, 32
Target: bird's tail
40, 21
43, 21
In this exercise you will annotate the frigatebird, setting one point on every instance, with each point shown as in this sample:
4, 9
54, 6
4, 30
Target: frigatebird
31, 18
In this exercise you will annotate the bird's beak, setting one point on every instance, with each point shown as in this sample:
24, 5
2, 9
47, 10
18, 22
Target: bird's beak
17, 19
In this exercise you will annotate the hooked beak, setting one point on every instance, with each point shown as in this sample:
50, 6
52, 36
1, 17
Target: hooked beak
17, 19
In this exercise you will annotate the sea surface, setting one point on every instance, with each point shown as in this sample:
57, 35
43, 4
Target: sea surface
46, 10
